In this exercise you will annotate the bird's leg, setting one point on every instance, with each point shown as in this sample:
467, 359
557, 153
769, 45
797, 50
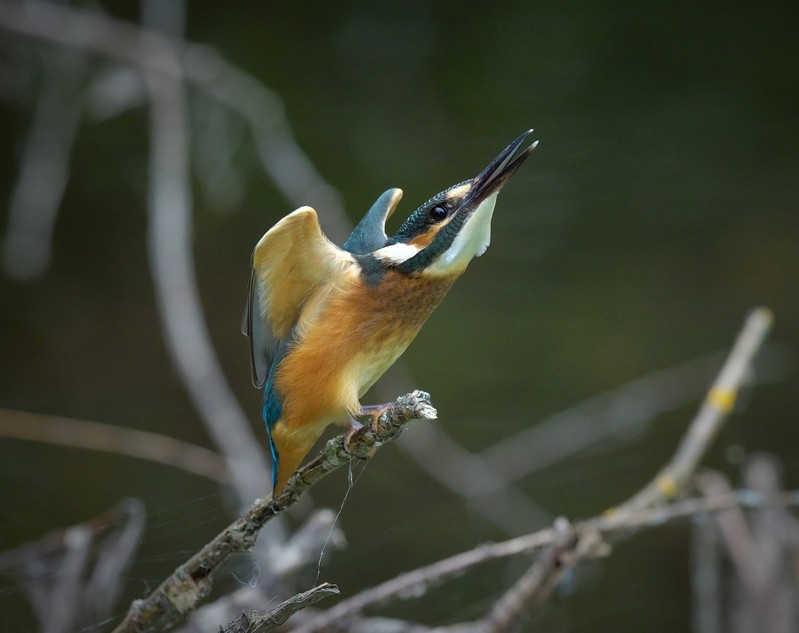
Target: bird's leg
353, 426
373, 411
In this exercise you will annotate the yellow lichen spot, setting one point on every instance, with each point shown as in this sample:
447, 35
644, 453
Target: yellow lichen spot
722, 399
667, 486
609, 512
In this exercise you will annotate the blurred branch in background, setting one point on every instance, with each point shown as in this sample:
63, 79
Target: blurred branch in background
73, 577
172, 266
746, 566
485, 480
719, 403
619, 414
50, 429
470, 477
33, 208
160, 58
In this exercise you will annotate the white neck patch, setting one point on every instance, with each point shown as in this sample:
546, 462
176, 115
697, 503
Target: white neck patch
396, 253
472, 240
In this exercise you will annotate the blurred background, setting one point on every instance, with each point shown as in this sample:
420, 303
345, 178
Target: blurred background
661, 205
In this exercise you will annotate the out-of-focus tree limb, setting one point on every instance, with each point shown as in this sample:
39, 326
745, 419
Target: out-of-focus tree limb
291, 170
89, 435
716, 408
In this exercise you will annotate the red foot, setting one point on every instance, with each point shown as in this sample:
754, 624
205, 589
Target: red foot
374, 411
353, 426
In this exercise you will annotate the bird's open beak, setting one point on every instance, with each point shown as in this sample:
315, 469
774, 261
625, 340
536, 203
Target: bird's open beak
493, 177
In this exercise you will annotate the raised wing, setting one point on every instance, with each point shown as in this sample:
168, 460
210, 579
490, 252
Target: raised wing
370, 234
291, 260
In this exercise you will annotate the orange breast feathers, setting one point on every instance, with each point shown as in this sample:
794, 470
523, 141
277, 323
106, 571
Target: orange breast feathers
348, 335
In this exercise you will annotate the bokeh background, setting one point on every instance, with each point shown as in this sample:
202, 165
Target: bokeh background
661, 205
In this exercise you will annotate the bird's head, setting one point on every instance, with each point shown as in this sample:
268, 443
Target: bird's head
442, 235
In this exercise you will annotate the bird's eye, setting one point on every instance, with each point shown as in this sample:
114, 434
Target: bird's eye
438, 213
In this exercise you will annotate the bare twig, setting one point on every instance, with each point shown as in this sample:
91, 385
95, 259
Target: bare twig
73, 577
173, 272
89, 435
255, 622
763, 586
277, 578
715, 410
191, 582
291, 170
26, 247
626, 410
533, 586
671, 481
419, 581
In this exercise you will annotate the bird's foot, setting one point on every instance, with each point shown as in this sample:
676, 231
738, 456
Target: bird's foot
373, 411
353, 426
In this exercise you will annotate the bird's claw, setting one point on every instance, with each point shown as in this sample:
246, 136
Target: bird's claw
374, 411
353, 426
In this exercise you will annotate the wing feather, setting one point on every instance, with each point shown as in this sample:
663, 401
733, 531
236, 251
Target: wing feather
289, 263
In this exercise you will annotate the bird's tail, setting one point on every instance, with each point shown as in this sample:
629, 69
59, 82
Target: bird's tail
288, 451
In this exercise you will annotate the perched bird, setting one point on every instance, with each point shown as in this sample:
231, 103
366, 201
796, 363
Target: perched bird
324, 323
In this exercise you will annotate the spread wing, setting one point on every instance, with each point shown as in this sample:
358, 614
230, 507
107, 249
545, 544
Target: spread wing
370, 234
290, 261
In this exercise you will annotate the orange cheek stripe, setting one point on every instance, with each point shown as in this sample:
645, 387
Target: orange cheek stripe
420, 241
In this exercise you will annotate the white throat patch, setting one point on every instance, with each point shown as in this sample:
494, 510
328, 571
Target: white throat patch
472, 240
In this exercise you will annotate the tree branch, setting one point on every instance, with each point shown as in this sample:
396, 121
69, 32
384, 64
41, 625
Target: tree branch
179, 594
591, 537
85, 434
281, 157
719, 403
255, 622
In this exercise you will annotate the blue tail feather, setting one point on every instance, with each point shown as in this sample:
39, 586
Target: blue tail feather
272, 410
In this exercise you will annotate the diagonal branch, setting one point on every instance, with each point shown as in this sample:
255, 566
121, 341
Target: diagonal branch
179, 594
714, 412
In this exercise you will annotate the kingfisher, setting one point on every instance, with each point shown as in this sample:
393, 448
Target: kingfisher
325, 322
